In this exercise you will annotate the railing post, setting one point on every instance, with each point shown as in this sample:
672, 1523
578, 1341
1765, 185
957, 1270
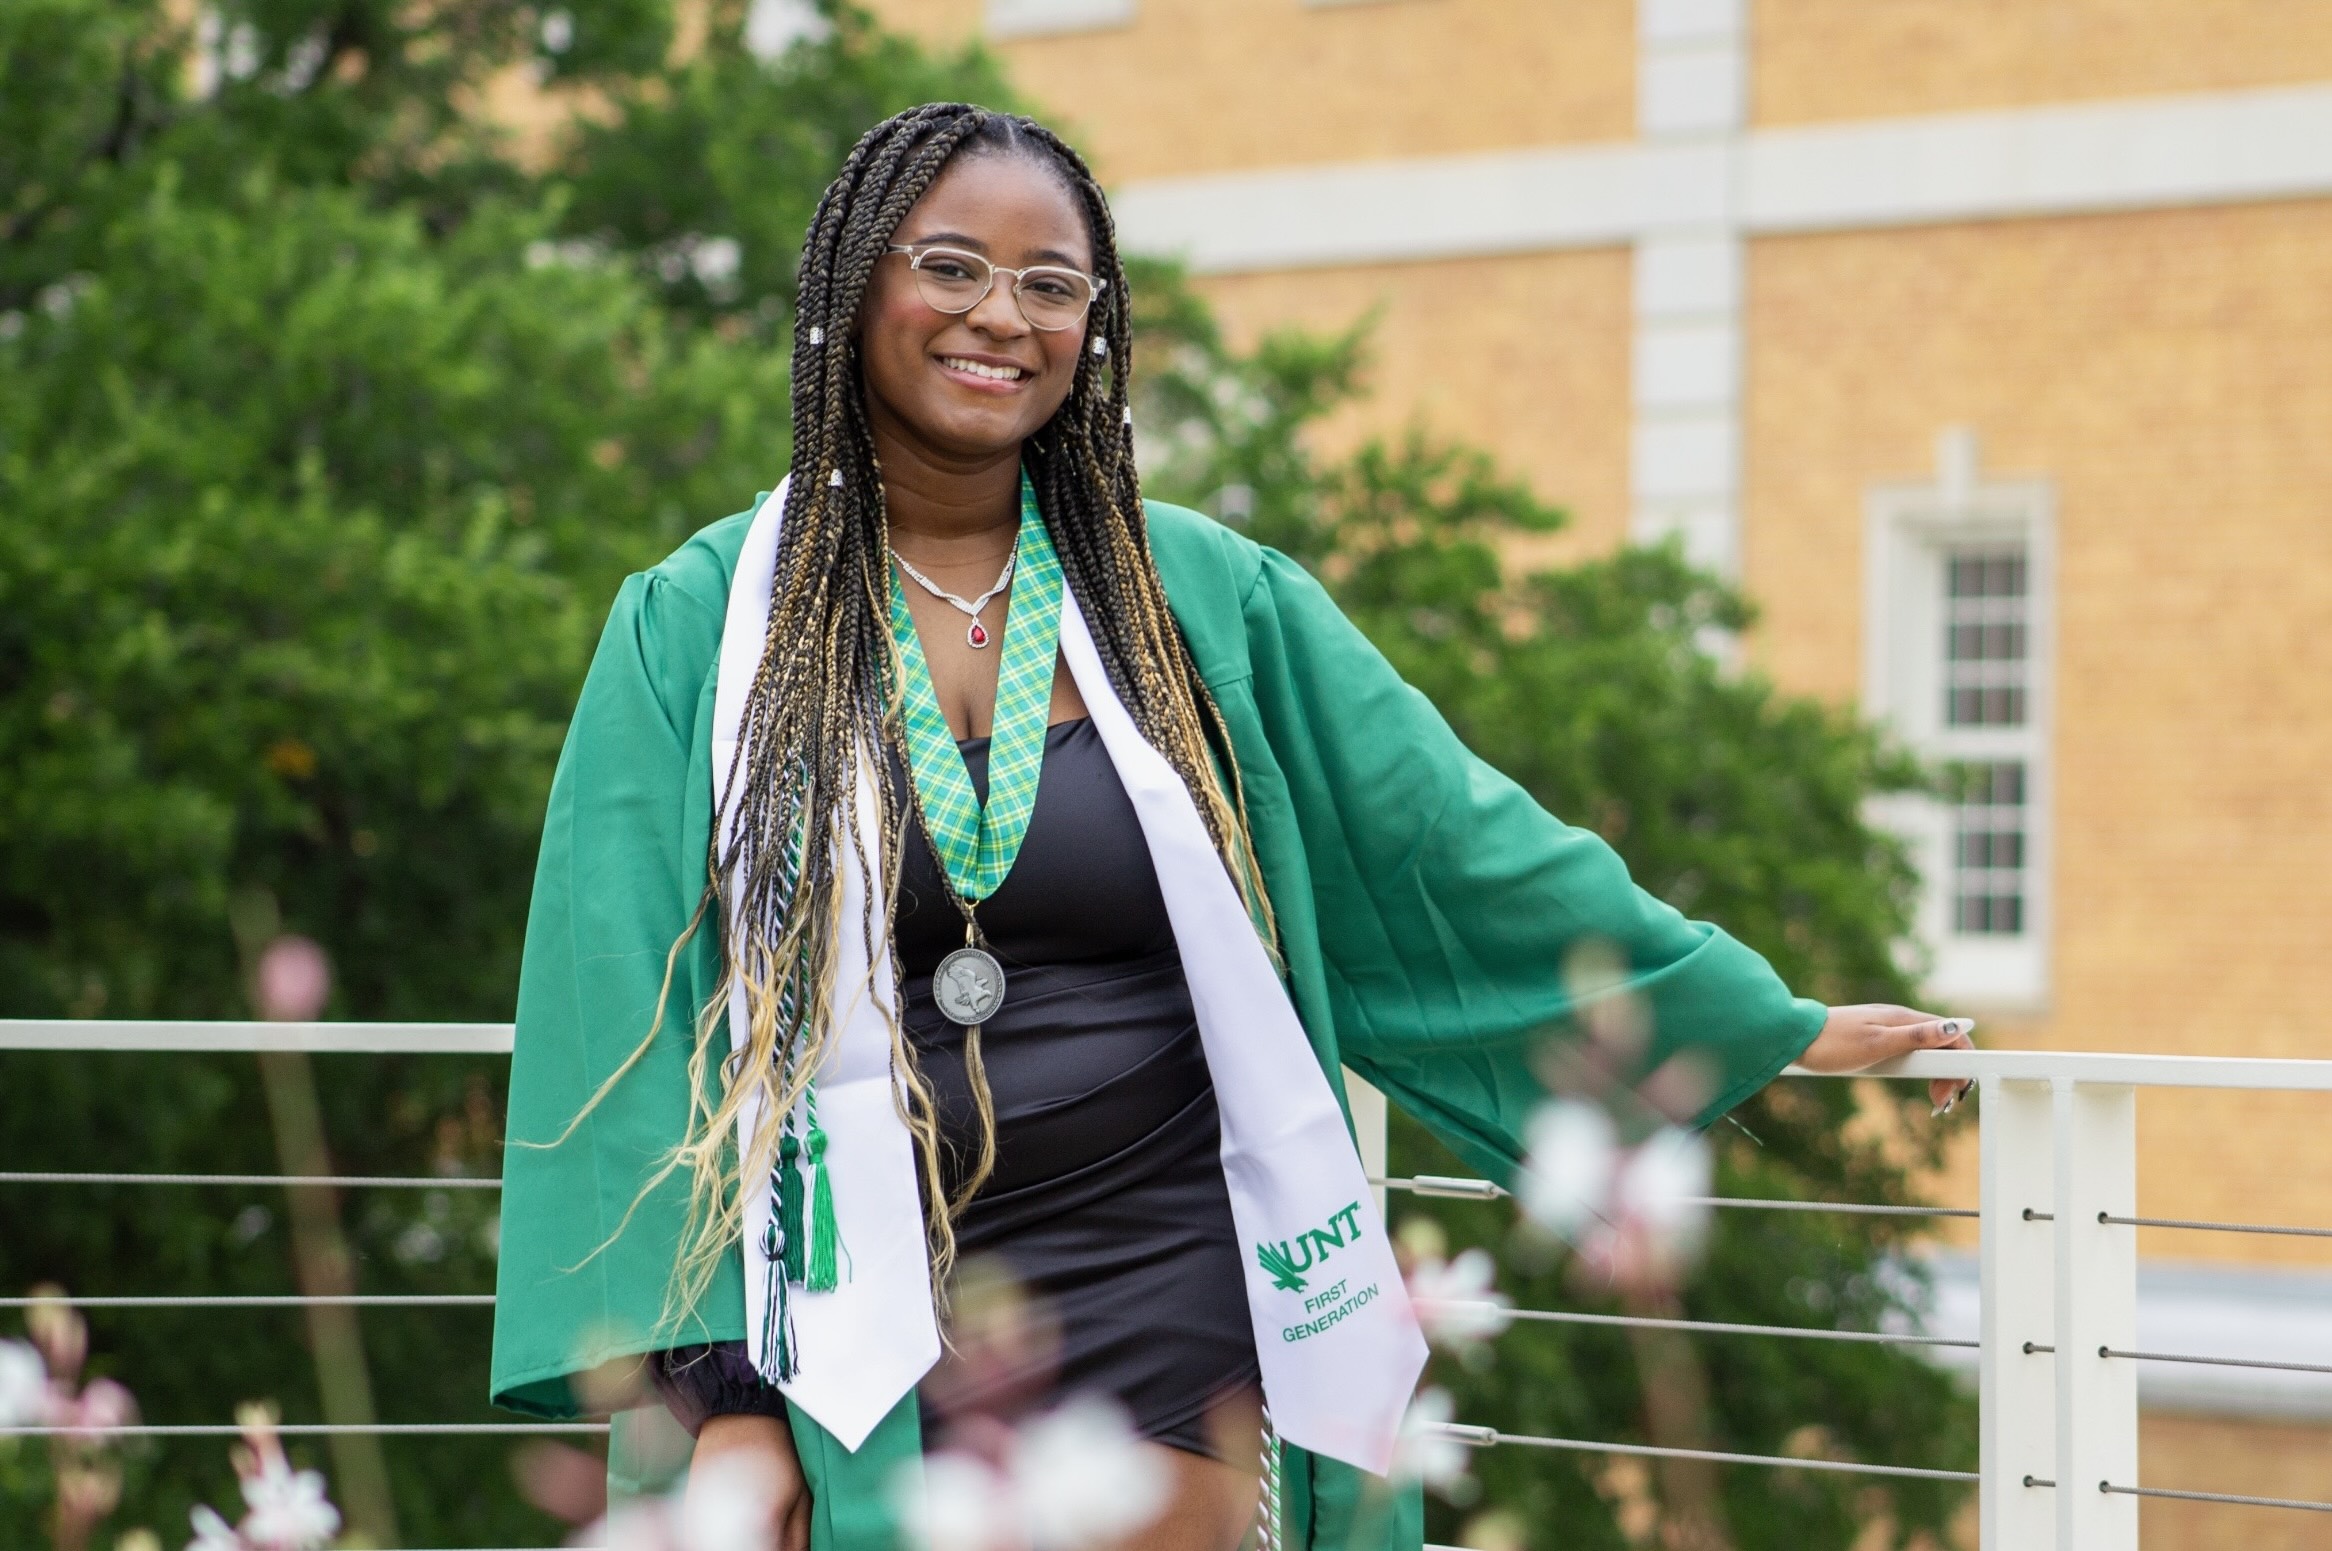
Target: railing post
2097, 1307
2017, 1389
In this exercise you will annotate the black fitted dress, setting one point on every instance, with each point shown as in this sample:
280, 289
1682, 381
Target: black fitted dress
1108, 1198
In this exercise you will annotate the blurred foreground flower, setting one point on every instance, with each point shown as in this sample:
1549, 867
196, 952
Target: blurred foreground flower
38, 1389
1428, 1452
1566, 1177
24, 1385
291, 981
1457, 1304
1638, 1217
1072, 1478
286, 1509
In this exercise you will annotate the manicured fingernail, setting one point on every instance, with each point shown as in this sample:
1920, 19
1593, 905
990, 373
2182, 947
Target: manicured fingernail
1959, 1026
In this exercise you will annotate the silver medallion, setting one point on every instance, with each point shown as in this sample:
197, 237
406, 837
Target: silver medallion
968, 986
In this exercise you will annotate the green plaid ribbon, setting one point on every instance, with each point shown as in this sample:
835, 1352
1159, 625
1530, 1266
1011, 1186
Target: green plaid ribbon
977, 846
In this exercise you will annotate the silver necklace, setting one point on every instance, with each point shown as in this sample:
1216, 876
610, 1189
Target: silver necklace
977, 637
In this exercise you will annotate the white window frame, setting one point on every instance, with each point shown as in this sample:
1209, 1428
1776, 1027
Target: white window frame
1049, 18
1910, 530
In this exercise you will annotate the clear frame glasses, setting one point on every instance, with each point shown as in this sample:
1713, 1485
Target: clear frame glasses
1051, 297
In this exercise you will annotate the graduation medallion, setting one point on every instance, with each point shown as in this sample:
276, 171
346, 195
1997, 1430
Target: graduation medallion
968, 986
975, 840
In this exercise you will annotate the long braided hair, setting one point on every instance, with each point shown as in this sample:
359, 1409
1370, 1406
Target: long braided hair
823, 711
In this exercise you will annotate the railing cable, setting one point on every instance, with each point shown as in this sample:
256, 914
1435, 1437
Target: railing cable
2215, 1227
2300, 1503
1709, 1326
1456, 1187
1491, 1437
2216, 1362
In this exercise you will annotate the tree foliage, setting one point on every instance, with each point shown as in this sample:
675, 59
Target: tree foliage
328, 423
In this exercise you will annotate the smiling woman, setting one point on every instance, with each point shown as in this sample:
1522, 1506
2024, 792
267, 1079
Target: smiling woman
866, 938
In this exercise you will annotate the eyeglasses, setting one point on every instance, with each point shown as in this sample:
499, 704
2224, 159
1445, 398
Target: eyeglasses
1051, 298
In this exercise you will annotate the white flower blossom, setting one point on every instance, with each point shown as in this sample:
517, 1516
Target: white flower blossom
1567, 1176
1083, 1477
24, 1385
960, 1503
1426, 1451
728, 1506
1456, 1303
289, 1511
212, 1533
1664, 1186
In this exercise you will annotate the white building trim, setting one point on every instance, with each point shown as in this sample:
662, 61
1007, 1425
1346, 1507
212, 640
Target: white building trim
1044, 18
1684, 454
2138, 153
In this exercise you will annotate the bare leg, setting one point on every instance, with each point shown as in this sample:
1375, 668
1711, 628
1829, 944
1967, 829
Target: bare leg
1211, 1508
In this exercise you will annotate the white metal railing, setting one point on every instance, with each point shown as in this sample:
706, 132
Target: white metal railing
2057, 1348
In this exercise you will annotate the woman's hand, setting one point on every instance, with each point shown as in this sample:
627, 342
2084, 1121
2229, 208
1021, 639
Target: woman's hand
751, 1460
1855, 1037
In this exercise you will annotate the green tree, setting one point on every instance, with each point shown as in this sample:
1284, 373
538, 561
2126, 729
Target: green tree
1593, 685
323, 443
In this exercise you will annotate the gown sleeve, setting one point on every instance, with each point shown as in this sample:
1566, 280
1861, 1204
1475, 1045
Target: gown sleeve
591, 1218
1447, 900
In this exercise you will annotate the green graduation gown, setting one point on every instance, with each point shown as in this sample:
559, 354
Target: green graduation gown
1425, 904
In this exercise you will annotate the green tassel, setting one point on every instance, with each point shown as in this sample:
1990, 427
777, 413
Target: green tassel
789, 1204
825, 1237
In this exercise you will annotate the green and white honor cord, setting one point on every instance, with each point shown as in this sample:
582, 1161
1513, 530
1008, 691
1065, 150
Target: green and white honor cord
796, 1256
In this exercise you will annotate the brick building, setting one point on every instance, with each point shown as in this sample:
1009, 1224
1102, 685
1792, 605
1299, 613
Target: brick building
1989, 342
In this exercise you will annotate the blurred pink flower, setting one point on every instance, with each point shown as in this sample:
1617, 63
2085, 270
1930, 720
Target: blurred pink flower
287, 1509
955, 1502
1657, 1220
1075, 1478
291, 981
1084, 1478
1456, 1301
212, 1533
1428, 1452
58, 1330
1574, 1151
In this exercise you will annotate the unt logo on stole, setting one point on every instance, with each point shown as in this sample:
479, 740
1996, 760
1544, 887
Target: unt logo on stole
1289, 1259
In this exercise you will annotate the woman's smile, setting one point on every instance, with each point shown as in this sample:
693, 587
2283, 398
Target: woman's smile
985, 373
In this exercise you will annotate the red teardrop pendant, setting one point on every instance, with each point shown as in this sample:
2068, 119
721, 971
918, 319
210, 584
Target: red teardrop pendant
977, 636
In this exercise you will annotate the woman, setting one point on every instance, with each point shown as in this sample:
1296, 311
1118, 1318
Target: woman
1029, 860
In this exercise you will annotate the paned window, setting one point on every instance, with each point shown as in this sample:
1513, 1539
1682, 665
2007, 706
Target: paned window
1958, 599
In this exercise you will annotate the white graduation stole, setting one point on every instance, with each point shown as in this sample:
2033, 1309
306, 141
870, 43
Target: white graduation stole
1337, 1340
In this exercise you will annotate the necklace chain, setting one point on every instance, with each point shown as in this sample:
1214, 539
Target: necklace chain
970, 606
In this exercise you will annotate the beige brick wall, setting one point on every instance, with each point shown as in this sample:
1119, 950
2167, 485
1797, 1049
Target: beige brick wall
1525, 356
1199, 86
2251, 1459
2171, 373
1845, 59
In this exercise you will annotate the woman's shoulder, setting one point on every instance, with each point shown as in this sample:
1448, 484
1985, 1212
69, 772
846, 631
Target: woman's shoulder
1210, 574
702, 568
1194, 550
